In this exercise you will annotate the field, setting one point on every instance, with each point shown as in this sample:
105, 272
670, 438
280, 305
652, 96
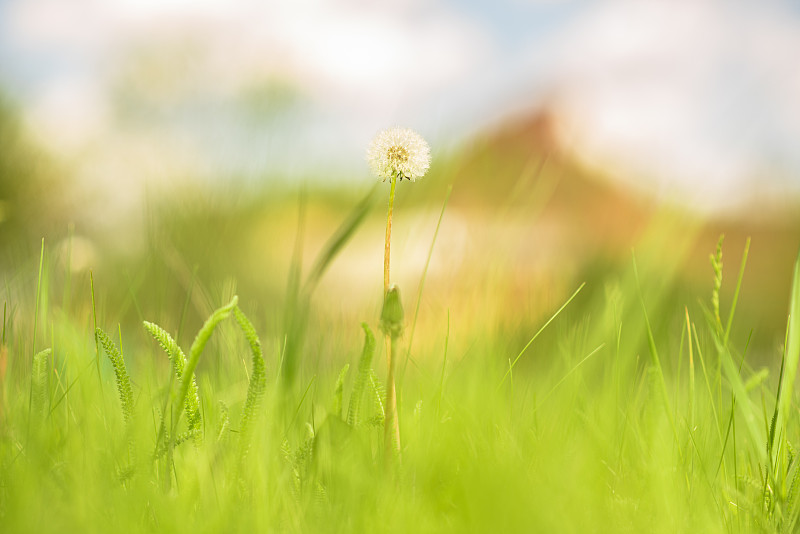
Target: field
219, 365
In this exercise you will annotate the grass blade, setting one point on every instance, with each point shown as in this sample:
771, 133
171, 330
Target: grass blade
338, 240
736, 291
422, 280
792, 358
298, 299
655, 362
545, 325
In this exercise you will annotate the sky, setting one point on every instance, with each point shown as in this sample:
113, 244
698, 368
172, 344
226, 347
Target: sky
690, 98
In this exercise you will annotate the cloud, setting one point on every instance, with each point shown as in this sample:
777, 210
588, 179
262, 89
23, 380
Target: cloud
133, 91
358, 62
696, 96
700, 95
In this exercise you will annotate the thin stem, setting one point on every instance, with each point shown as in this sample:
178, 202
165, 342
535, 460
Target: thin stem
96, 341
391, 430
388, 242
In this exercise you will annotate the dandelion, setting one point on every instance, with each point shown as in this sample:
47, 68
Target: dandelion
394, 154
399, 153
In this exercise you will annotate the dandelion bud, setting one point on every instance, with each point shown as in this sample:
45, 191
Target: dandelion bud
392, 313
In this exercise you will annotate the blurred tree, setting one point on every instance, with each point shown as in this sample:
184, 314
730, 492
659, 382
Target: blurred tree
32, 200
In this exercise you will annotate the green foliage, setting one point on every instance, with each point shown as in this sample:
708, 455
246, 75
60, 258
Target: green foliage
624, 414
123, 380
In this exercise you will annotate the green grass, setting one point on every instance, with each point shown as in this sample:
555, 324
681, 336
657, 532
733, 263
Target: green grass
622, 409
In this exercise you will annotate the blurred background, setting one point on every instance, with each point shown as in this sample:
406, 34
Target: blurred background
176, 148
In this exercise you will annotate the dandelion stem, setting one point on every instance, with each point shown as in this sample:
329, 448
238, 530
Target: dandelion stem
391, 429
388, 243
391, 425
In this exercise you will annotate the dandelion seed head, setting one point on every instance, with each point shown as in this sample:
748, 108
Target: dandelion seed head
400, 153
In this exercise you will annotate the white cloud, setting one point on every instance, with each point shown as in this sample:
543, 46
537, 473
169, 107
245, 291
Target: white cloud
372, 53
693, 92
361, 65
700, 95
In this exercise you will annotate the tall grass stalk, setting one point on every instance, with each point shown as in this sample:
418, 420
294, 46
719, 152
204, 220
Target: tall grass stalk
422, 282
96, 340
298, 299
786, 391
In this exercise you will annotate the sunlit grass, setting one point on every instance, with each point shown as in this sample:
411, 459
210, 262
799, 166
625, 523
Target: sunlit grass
620, 405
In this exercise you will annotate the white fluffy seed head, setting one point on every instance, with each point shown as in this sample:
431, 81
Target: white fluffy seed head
400, 153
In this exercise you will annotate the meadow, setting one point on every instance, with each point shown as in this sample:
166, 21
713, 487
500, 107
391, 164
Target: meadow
221, 368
